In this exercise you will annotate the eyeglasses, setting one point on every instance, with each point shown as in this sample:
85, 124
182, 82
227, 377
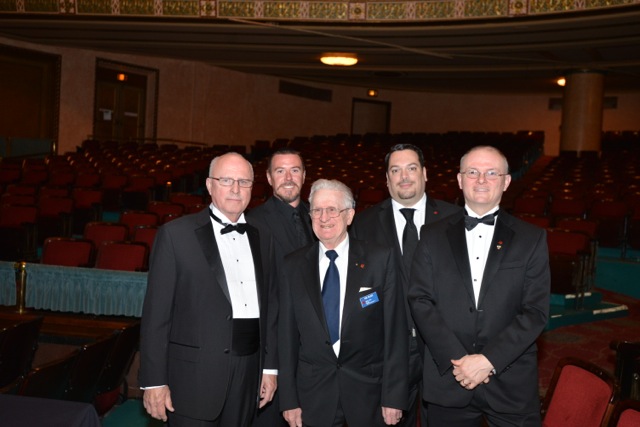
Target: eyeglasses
228, 182
331, 212
490, 175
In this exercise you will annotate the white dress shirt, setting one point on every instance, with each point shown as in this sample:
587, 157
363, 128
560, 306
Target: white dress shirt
239, 270
478, 245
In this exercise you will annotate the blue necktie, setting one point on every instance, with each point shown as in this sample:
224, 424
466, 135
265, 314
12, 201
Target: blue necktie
331, 296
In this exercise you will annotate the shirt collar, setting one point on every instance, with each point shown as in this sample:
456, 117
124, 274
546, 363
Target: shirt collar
472, 213
419, 206
341, 249
224, 218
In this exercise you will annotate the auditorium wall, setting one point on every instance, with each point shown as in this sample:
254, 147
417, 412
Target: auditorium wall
202, 103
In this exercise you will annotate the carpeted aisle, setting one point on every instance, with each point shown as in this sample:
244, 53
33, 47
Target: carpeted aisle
130, 414
589, 341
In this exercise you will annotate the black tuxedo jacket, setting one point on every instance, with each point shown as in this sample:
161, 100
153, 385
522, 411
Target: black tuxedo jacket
376, 224
371, 370
512, 310
187, 317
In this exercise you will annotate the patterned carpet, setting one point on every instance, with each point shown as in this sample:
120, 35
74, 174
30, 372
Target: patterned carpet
589, 341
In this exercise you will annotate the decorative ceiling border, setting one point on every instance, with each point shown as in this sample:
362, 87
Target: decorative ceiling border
310, 10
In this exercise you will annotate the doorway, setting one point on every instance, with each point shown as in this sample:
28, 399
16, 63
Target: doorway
125, 103
370, 116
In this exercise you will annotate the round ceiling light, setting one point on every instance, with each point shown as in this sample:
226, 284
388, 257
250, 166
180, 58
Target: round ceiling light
342, 59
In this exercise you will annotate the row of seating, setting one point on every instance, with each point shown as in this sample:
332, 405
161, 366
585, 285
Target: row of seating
93, 373
581, 394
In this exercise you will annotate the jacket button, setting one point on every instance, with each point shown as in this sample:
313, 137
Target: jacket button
470, 309
226, 350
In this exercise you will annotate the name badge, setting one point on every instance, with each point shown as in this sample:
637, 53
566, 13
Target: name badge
367, 300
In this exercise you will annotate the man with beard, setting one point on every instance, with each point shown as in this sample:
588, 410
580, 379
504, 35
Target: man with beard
284, 225
395, 222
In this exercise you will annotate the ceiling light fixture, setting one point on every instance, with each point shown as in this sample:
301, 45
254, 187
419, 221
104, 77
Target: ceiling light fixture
342, 59
561, 81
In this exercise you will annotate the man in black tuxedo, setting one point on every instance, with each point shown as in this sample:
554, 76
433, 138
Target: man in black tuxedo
341, 356
386, 224
479, 293
284, 225
204, 337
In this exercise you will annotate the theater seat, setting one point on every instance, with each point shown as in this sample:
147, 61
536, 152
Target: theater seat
580, 394
626, 413
125, 256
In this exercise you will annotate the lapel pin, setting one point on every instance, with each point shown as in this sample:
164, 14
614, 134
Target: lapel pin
499, 246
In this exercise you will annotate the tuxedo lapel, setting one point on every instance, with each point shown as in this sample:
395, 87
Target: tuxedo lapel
458, 243
502, 235
207, 240
311, 281
355, 270
388, 226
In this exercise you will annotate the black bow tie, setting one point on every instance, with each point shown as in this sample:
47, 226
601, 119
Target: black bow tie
228, 228
471, 222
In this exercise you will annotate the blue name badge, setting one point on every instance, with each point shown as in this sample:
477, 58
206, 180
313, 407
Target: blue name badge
367, 300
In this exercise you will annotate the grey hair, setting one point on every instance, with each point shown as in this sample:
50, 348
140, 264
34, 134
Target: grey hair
333, 184
488, 148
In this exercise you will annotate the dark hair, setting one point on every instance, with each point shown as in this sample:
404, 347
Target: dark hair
285, 151
400, 147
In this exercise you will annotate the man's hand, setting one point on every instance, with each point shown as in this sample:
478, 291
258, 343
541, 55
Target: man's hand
472, 370
293, 417
156, 401
267, 388
391, 416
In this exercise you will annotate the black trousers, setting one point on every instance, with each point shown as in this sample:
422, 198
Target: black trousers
240, 405
472, 415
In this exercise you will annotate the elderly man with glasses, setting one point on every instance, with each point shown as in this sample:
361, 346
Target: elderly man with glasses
341, 356
479, 294
204, 336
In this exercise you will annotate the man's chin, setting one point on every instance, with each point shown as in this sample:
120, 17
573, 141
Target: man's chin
288, 198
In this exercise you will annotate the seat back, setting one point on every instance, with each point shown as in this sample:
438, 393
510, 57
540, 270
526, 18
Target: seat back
99, 232
120, 358
134, 218
530, 205
145, 234
125, 256
83, 378
18, 348
626, 413
162, 209
50, 380
17, 215
67, 251
580, 395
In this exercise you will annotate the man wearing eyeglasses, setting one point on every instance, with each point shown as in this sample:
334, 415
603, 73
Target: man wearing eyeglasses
341, 358
395, 223
205, 336
284, 225
479, 293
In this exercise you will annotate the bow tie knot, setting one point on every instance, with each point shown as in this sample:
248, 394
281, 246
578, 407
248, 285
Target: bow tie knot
471, 222
240, 228
228, 228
